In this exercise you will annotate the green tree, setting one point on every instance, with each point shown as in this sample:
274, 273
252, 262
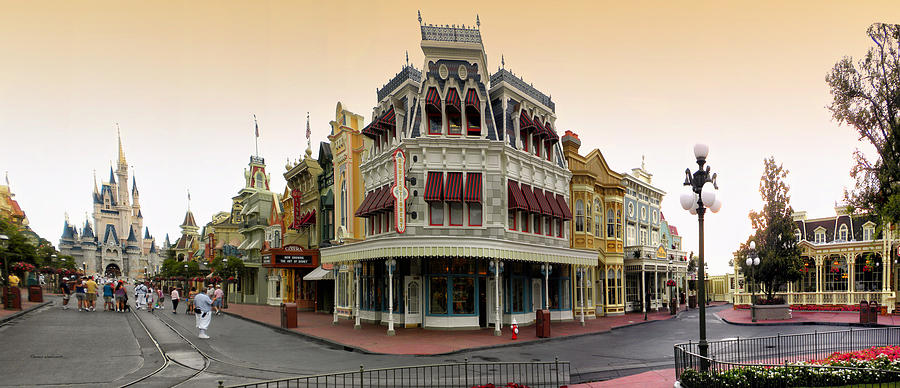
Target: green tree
866, 96
171, 267
225, 268
776, 245
18, 247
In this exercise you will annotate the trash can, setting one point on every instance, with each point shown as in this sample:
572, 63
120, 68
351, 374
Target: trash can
864, 312
35, 294
542, 323
288, 315
12, 299
692, 301
873, 312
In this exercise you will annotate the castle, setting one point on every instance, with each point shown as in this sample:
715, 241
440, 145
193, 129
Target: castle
114, 245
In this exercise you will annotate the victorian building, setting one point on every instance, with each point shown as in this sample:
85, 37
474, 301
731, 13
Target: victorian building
254, 204
113, 245
9, 207
188, 246
465, 212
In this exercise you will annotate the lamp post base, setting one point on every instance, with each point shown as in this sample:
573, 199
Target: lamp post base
391, 332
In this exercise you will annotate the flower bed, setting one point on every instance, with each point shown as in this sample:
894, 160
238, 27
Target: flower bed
875, 365
812, 307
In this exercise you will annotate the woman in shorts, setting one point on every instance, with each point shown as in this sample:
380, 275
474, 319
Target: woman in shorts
120, 293
80, 294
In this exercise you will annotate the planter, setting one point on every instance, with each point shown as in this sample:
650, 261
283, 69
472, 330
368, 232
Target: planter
773, 312
692, 301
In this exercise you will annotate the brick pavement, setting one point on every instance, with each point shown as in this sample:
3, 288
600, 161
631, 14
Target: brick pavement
661, 378
25, 304
742, 316
372, 337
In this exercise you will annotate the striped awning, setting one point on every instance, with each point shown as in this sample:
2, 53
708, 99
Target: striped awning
453, 99
542, 202
525, 122
433, 98
388, 119
319, 274
514, 196
434, 186
454, 187
473, 187
550, 132
567, 214
554, 205
539, 128
367, 202
378, 203
472, 99
533, 205
387, 201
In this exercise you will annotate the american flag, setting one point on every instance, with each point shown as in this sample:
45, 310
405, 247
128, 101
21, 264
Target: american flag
256, 125
308, 131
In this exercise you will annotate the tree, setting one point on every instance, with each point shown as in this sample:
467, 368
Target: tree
866, 96
776, 245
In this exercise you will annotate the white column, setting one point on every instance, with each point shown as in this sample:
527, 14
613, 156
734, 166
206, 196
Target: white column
497, 317
356, 271
391, 263
336, 277
583, 280
643, 300
656, 286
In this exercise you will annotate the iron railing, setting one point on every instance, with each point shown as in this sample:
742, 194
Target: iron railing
466, 374
783, 350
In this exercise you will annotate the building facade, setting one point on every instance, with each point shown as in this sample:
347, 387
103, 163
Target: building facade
114, 245
465, 212
254, 205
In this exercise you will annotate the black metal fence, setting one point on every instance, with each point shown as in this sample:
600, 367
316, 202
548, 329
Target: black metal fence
466, 374
784, 350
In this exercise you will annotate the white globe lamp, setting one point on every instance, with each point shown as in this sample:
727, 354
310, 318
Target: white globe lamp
701, 151
708, 195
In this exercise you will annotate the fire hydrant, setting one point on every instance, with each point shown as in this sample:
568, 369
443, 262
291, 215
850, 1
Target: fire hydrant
515, 329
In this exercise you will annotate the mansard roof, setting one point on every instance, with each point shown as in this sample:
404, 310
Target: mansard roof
407, 73
832, 226
526, 89
110, 235
325, 152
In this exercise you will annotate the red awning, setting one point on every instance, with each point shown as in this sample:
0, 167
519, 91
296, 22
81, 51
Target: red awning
553, 136
370, 130
308, 219
533, 205
542, 202
539, 128
567, 214
473, 187
514, 196
453, 99
454, 187
525, 122
472, 99
554, 205
434, 186
433, 98
376, 201
363, 209
388, 119
387, 202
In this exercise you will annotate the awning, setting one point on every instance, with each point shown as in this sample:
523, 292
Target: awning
249, 244
388, 119
472, 99
554, 205
533, 205
473, 187
539, 128
363, 209
514, 196
433, 98
387, 201
550, 132
454, 187
542, 202
378, 203
567, 214
251, 209
309, 218
453, 99
434, 187
525, 122
319, 274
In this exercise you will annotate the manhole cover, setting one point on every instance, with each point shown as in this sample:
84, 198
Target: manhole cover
46, 356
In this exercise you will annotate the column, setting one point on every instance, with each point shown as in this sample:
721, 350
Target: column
656, 286
819, 279
336, 293
643, 295
357, 270
851, 272
497, 317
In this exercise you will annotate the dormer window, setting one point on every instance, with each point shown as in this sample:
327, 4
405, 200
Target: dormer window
454, 115
869, 231
433, 111
820, 236
473, 113
798, 235
842, 234
526, 129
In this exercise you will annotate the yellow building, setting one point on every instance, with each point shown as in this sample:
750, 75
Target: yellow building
9, 207
347, 147
596, 189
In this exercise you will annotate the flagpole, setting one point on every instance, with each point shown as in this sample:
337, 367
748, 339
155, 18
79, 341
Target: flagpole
256, 127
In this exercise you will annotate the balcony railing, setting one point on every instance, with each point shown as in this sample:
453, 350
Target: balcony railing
827, 297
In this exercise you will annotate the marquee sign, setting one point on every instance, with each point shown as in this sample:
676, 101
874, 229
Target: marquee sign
399, 191
296, 196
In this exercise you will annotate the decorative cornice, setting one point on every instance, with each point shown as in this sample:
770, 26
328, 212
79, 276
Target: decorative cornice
408, 73
518, 83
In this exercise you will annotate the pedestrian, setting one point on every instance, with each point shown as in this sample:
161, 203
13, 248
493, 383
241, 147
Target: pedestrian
202, 313
175, 298
160, 298
79, 293
64, 287
90, 293
150, 297
140, 295
218, 296
190, 300
107, 296
121, 296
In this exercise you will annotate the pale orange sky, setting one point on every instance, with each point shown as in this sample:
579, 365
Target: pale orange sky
631, 78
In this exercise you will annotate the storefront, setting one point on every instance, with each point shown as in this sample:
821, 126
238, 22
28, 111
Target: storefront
286, 270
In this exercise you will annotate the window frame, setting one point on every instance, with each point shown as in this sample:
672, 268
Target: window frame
469, 213
436, 207
453, 205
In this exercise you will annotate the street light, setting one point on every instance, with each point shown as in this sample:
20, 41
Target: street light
673, 307
4, 241
391, 265
496, 268
357, 271
546, 270
700, 196
752, 262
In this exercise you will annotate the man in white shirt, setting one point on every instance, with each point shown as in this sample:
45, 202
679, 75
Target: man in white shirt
202, 312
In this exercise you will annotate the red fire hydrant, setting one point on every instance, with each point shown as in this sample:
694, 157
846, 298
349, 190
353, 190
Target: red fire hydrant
515, 329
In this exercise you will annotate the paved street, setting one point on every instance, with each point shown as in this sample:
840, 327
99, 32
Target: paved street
57, 347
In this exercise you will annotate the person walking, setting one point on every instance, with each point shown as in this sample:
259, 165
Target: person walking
160, 298
218, 296
90, 293
140, 295
121, 296
150, 297
66, 292
190, 300
175, 298
79, 293
107, 296
202, 312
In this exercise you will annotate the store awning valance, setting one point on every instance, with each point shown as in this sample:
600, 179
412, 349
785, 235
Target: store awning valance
434, 186
554, 205
453, 99
472, 99
473, 187
378, 201
567, 214
542, 202
530, 199
319, 274
388, 119
433, 98
308, 219
553, 136
454, 187
514, 196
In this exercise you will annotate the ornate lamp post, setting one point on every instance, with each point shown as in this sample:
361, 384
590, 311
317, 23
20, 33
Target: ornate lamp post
701, 195
4, 241
391, 265
496, 267
752, 263
357, 268
581, 279
546, 269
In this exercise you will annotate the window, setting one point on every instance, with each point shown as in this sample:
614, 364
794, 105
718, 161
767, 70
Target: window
867, 273
456, 213
843, 233
820, 236
536, 142
836, 274
629, 236
549, 150
260, 180
610, 224
598, 211
798, 235
511, 219
516, 299
524, 221
643, 213
463, 295
433, 112
619, 224
654, 238
473, 115
643, 236
536, 218
558, 288
436, 210
548, 226
343, 197
438, 298
475, 214
611, 287
579, 216
588, 218
808, 275
868, 233
454, 120
560, 227
523, 134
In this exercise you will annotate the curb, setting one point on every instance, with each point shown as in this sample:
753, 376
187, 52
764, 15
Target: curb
806, 323
23, 312
338, 345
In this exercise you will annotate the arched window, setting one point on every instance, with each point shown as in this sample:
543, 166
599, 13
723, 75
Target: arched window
343, 199
433, 112
843, 233
473, 113
798, 235
579, 216
260, 180
454, 116
610, 224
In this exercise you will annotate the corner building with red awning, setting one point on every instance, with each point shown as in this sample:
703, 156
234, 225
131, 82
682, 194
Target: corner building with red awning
466, 201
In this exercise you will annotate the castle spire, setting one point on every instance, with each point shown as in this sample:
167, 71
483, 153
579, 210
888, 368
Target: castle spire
122, 161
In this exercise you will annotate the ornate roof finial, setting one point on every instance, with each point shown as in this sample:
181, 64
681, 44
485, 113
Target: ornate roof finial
477, 21
7, 179
420, 17
122, 161
643, 162
308, 134
189, 199
407, 58
502, 62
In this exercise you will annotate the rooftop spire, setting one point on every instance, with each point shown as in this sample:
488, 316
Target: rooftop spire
420, 17
308, 134
407, 58
122, 161
502, 62
477, 21
256, 127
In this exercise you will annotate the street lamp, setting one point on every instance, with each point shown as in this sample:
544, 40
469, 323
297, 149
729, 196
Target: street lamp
673, 305
580, 271
4, 241
391, 265
752, 262
700, 196
496, 267
357, 271
546, 270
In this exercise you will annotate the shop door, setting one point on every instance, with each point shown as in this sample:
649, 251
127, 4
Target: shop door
537, 294
413, 312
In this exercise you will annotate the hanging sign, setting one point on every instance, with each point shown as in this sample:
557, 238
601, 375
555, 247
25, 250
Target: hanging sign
399, 191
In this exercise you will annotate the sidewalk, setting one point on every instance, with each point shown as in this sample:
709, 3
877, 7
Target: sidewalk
661, 378
26, 306
372, 338
742, 317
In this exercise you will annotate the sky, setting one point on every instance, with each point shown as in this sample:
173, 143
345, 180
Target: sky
637, 78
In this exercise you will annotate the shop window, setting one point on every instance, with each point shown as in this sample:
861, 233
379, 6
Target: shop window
456, 213
610, 224
511, 219
438, 295
436, 213
588, 285
559, 230
516, 299
808, 275
559, 287
463, 295
475, 215
435, 123
579, 216
611, 287
836, 274
867, 273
